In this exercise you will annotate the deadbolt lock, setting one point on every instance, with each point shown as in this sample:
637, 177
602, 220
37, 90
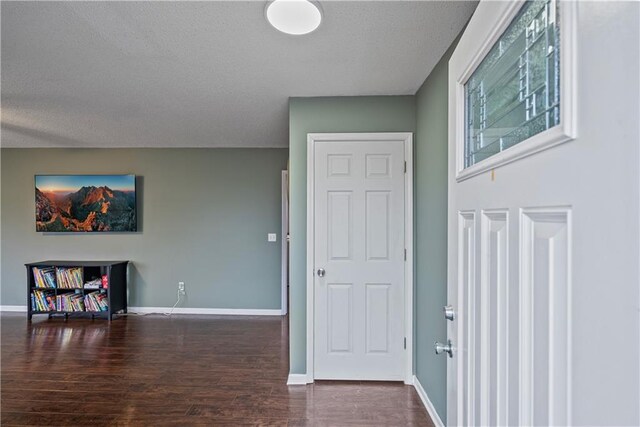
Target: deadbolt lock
449, 314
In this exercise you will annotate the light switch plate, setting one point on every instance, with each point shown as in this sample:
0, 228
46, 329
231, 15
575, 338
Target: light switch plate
271, 237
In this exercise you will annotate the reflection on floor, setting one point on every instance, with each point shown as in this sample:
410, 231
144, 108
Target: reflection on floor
184, 370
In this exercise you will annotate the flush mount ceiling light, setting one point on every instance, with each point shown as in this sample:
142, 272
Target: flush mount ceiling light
295, 17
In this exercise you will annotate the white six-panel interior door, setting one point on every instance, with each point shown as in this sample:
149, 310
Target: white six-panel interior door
358, 273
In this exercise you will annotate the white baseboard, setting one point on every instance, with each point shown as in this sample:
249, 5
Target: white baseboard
15, 308
298, 379
227, 311
427, 403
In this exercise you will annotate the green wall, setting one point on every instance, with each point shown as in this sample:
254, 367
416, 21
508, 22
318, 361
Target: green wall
335, 114
431, 231
204, 217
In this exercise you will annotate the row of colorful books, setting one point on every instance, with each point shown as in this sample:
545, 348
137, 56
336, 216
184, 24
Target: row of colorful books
69, 278
70, 302
96, 301
43, 301
48, 301
63, 278
45, 277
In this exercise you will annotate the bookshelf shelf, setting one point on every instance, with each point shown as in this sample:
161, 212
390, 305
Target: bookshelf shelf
66, 290
110, 299
69, 312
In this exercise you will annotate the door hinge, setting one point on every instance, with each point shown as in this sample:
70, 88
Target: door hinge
405, 343
405, 167
405, 254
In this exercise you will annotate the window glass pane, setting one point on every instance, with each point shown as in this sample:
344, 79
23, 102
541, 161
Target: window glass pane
514, 93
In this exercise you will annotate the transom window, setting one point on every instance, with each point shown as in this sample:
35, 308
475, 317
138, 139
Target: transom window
515, 91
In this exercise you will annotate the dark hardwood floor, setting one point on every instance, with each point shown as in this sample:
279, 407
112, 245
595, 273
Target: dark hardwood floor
183, 370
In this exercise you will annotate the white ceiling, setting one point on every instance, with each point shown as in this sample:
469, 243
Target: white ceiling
201, 74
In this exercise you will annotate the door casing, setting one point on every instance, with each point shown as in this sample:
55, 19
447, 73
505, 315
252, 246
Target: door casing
284, 245
407, 139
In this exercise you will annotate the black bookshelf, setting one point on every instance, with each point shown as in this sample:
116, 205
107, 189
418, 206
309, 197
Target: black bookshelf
115, 292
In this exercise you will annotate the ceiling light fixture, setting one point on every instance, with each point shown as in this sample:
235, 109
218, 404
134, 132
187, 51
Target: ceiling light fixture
295, 17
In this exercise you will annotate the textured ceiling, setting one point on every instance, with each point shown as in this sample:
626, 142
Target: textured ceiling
200, 74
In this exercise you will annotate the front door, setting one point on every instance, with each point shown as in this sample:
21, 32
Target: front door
359, 284
543, 224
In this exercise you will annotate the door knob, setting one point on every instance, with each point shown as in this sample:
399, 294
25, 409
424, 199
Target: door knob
444, 348
321, 272
449, 314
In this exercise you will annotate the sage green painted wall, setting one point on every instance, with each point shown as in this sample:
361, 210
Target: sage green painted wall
204, 216
431, 231
334, 114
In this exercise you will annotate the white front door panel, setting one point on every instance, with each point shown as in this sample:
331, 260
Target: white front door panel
543, 251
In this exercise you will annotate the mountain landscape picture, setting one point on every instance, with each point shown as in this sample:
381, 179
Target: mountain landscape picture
85, 203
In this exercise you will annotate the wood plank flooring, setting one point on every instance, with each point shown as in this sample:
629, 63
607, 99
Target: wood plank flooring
182, 371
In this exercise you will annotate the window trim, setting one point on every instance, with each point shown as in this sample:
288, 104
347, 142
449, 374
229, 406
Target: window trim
461, 70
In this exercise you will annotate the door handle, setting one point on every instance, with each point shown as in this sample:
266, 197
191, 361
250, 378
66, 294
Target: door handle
321, 272
449, 314
444, 348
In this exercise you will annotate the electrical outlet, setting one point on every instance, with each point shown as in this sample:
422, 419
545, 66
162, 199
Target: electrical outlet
181, 288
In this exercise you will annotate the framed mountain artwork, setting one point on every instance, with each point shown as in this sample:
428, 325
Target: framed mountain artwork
85, 203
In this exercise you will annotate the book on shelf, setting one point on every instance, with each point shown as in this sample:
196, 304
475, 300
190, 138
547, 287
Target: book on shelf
43, 301
69, 278
96, 301
44, 277
93, 284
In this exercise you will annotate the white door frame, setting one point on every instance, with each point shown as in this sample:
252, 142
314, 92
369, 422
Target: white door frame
284, 268
407, 138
